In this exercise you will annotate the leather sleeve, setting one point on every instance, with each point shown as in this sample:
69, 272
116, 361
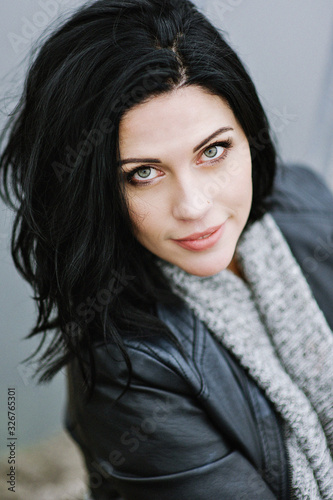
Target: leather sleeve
157, 442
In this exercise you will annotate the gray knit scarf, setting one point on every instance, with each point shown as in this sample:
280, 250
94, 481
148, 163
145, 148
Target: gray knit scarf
274, 326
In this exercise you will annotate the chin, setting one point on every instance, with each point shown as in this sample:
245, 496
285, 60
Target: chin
205, 269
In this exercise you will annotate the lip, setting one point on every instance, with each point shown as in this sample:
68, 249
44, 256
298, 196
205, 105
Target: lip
195, 236
192, 242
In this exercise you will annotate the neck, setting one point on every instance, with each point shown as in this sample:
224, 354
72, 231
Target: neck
234, 267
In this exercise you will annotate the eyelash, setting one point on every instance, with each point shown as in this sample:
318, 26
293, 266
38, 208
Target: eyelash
227, 144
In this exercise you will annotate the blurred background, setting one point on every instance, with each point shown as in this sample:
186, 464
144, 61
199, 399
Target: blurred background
287, 48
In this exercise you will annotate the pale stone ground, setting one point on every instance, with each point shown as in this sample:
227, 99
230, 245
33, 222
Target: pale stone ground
50, 470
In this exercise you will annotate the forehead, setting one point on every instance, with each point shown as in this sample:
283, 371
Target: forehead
187, 111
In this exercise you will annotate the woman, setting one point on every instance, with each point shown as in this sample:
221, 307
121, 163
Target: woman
187, 277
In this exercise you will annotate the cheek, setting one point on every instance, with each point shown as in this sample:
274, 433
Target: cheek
236, 183
245, 189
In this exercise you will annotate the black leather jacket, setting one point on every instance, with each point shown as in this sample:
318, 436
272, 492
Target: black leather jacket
199, 429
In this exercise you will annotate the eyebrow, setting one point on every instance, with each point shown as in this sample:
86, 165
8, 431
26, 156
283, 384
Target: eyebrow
155, 160
214, 134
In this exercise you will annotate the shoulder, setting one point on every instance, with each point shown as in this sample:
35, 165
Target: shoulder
299, 188
302, 206
155, 360
148, 427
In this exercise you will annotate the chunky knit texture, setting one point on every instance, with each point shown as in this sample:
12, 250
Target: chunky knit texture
275, 328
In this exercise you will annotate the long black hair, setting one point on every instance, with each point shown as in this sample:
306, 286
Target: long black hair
72, 238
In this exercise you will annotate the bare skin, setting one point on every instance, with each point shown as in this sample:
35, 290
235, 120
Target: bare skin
236, 269
187, 168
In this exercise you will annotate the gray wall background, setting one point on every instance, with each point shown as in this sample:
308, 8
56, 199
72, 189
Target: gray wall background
287, 47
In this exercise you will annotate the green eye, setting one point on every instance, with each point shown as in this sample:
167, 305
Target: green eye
211, 152
146, 172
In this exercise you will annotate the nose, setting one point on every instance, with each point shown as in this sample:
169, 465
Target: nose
189, 200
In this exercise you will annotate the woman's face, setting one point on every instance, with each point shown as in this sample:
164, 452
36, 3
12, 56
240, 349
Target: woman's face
187, 169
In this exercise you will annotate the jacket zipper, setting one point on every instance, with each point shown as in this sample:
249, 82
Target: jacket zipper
288, 486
